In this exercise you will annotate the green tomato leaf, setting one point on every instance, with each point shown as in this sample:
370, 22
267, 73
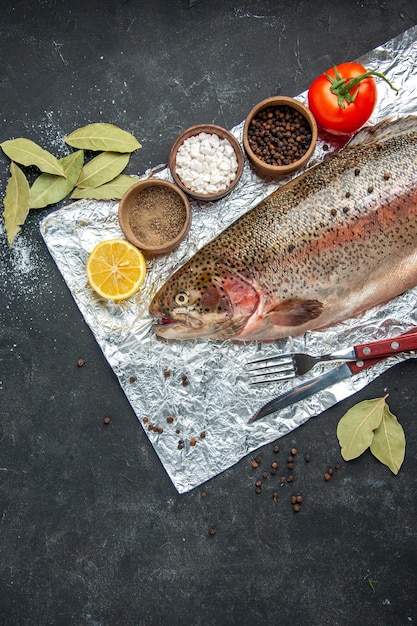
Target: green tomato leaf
49, 189
114, 190
355, 430
102, 169
102, 137
388, 444
27, 152
16, 202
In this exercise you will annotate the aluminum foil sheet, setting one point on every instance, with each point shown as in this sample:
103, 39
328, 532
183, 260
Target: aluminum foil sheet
215, 404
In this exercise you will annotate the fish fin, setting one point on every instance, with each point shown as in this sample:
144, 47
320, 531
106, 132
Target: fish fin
383, 130
295, 312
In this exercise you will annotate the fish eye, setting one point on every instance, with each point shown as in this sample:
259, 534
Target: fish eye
181, 298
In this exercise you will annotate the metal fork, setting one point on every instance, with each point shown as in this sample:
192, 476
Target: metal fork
290, 365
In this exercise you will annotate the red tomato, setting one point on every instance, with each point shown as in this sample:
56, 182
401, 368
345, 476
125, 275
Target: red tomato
342, 105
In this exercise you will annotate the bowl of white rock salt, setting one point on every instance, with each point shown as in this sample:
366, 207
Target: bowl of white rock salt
206, 162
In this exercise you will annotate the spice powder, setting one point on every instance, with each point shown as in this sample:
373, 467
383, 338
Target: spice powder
157, 215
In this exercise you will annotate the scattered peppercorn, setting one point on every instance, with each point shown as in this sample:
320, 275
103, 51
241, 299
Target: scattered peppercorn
185, 380
202, 435
290, 459
290, 478
180, 444
145, 420
167, 373
307, 458
327, 476
255, 464
258, 483
258, 490
337, 465
274, 465
387, 176
283, 479
177, 431
264, 474
80, 362
276, 449
275, 496
106, 420
193, 442
204, 494
290, 466
357, 172
258, 460
296, 508
294, 499
212, 531
330, 471
294, 451
132, 379
299, 498
279, 135
170, 419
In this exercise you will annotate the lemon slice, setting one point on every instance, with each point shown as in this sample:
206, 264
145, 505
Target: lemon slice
116, 269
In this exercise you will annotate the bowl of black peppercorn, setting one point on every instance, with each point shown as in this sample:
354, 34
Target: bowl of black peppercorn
279, 136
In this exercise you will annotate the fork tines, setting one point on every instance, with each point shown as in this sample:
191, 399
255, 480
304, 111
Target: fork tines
275, 368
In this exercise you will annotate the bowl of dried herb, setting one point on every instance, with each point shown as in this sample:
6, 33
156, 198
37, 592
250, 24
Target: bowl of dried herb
155, 216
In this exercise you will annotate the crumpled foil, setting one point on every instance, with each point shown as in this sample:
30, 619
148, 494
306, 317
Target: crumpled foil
204, 384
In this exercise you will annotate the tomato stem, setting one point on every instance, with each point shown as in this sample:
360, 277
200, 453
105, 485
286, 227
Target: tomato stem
342, 87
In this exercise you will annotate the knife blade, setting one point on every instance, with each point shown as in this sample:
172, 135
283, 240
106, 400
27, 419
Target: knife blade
314, 385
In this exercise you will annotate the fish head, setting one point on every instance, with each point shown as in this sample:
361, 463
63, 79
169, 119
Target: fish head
203, 300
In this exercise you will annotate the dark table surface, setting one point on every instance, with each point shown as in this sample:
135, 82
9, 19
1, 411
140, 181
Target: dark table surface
92, 529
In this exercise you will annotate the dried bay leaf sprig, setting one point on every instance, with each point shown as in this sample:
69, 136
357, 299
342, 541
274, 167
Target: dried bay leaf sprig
100, 178
112, 190
102, 169
370, 424
16, 201
103, 137
27, 152
49, 189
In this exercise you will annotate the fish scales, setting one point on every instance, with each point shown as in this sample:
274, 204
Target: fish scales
334, 241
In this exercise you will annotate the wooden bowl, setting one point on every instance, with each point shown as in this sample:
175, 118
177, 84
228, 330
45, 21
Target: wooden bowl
274, 171
210, 129
155, 216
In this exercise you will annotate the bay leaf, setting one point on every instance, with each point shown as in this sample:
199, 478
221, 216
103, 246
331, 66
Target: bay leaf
113, 190
49, 189
16, 202
27, 152
355, 429
103, 137
102, 169
388, 444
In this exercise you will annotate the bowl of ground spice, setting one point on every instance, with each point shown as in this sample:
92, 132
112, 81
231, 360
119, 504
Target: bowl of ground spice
279, 136
206, 162
155, 216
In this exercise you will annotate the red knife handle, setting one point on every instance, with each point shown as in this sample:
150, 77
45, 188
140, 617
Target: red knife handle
387, 347
358, 366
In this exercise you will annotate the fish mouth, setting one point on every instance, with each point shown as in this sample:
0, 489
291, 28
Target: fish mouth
170, 326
